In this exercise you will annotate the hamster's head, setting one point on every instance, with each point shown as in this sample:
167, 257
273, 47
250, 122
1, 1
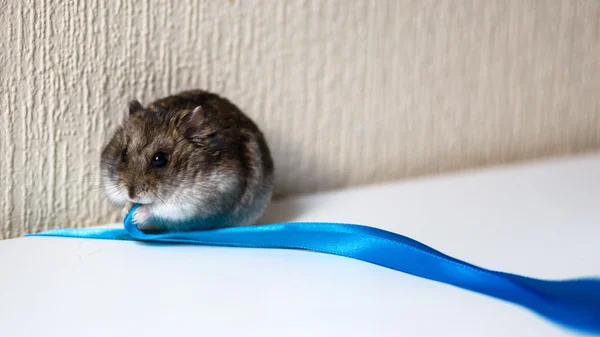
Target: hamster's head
154, 153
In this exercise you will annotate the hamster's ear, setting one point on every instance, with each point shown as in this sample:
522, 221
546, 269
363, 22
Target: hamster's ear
190, 122
134, 106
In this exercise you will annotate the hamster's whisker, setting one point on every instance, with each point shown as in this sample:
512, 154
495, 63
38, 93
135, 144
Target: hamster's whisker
160, 199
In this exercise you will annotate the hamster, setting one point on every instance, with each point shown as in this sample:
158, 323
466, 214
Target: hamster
192, 160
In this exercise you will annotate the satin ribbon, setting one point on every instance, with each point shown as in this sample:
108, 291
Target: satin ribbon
573, 303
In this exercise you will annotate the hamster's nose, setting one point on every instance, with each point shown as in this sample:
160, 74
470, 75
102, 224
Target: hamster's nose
131, 192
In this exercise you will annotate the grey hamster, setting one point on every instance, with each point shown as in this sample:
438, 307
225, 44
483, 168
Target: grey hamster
188, 159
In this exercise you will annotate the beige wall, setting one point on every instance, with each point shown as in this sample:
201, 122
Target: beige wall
347, 91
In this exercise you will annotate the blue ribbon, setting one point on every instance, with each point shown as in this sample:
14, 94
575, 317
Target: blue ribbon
573, 303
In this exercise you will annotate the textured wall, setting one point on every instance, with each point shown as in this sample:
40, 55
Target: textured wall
347, 91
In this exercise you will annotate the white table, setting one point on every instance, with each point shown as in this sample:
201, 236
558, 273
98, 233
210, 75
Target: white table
540, 219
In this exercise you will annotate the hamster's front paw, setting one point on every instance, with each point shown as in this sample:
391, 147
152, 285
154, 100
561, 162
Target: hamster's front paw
126, 209
141, 216
141, 219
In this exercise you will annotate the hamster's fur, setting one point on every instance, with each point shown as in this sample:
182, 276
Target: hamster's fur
188, 159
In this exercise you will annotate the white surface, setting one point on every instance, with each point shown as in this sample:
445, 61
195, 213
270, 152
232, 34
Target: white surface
541, 220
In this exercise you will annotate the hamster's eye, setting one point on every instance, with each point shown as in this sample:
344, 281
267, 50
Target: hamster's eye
124, 155
159, 159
